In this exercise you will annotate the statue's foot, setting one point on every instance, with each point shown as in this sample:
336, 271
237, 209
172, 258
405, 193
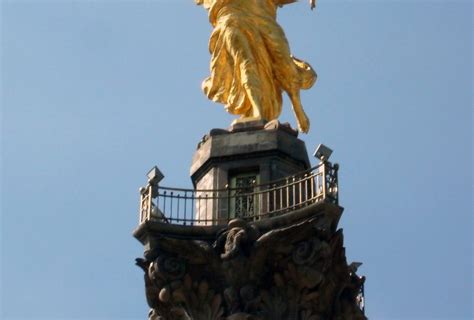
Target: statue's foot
303, 123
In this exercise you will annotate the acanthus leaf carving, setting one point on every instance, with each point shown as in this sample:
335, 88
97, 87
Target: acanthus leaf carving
298, 272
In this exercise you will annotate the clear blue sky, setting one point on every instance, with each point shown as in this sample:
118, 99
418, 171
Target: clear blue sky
94, 93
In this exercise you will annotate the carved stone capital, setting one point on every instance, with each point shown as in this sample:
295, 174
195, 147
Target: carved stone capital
296, 272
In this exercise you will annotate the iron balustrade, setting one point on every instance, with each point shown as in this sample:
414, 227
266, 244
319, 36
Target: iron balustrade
216, 207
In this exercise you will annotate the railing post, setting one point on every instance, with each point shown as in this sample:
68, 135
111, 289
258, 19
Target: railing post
228, 202
143, 191
215, 205
256, 208
151, 192
206, 209
293, 182
336, 183
360, 299
148, 193
324, 184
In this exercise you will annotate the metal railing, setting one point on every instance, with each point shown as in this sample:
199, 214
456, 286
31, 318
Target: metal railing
252, 202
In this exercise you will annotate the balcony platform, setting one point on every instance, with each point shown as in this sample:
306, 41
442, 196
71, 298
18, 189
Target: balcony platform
328, 213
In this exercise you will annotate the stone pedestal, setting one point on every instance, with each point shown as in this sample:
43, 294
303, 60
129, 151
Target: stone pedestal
252, 153
273, 150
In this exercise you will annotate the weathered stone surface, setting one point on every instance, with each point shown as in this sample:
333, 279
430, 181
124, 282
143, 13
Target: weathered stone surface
276, 151
295, 272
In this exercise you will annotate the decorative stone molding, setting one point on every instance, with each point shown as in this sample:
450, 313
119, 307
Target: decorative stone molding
295, 272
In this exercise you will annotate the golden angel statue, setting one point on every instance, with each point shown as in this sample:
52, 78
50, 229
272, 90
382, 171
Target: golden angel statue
251, 62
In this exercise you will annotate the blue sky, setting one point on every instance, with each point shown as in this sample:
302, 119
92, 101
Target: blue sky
94, 93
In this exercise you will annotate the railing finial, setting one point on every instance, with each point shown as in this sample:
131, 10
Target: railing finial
154, 176
322, 152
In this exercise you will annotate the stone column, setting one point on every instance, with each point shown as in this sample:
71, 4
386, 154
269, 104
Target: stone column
292, 268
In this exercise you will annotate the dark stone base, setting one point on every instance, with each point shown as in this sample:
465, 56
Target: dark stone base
295, 272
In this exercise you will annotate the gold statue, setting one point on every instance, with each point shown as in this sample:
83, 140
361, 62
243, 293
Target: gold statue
251, 63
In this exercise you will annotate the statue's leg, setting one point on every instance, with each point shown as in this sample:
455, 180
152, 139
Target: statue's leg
244, 60
286, 71
301, 117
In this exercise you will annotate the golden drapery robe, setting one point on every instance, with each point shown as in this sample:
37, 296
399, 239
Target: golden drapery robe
251, 63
